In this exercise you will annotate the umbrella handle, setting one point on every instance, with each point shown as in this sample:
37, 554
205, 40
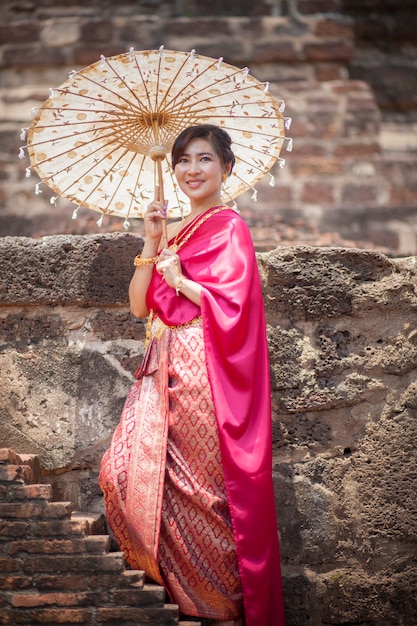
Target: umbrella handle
162, 199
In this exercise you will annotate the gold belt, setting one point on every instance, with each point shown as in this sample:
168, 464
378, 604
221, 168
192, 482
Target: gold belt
158, 327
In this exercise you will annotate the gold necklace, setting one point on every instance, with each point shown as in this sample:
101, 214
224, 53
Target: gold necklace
177, 245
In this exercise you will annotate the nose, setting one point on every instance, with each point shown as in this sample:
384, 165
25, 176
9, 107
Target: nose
193, 166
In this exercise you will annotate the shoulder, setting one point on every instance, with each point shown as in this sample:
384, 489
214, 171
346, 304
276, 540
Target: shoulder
229, 215
230, 219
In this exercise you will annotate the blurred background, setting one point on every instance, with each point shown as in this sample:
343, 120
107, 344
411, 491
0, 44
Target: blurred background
347, 70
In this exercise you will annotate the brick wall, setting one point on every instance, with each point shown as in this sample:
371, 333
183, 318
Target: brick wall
349, 180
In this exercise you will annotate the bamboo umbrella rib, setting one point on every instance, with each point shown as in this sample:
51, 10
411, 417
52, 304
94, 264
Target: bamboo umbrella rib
173, 80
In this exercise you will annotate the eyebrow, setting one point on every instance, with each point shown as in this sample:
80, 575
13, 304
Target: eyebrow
199, 154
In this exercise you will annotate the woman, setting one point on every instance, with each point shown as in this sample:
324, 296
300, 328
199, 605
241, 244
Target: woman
188, 477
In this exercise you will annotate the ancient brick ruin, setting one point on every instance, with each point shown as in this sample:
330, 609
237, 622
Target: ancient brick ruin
345, 69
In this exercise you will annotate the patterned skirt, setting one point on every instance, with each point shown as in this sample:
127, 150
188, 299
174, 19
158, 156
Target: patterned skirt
163, 483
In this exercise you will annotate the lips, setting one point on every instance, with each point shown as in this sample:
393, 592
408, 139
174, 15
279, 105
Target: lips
193, 184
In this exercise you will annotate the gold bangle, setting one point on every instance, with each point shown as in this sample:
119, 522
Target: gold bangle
139, 262
178, 285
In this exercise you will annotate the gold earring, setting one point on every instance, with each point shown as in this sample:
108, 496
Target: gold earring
224, 177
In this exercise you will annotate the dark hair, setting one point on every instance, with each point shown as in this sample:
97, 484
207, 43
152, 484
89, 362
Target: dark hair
218, 138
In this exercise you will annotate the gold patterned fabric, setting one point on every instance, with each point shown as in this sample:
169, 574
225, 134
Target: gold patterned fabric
163, 481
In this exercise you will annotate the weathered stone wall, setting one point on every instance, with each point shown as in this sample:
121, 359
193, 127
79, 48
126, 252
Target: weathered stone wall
351, 177
343, 350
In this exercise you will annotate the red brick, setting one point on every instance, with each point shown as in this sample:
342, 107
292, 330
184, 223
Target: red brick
318, 6
30, 492
10, 530
280, 194
65, 582
201, 27
329, 71
57, 510
19, 33
307, 151
7, 455
10, 617
34, 463
46, 616
13, 510
112, 562
11, 473
149, 595
44, 546
350, 86
89, 54
32, 56
96, 582
331, 51
38, 492
36, 599
97, 544
8, 565
15, 582
403, 195
358, 150
353, 194
335, 27
158, 615
68, 528
318, 193
274, 53
360, 104
97, 30
127, 579
318, 166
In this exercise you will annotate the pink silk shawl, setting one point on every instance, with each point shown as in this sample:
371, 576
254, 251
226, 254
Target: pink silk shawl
220, 256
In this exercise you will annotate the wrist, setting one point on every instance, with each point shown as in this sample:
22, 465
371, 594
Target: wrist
179, 284
141, 261
150, 247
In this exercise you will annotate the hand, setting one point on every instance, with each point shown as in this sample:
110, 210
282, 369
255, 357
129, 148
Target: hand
169, 266
153, 217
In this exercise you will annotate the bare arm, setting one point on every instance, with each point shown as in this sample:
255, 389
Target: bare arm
140, 282
142, 277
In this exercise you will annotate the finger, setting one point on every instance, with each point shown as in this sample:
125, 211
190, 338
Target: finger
167, 253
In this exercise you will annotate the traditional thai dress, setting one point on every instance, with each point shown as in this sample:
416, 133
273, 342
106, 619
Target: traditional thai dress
187, 480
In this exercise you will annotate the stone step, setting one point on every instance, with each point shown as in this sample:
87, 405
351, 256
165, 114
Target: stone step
60, 567
150, 597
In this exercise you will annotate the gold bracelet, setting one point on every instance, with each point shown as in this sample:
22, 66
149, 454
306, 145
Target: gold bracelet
139, 262
178, 285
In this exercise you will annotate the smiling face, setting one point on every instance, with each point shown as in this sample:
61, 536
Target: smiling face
199, 173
